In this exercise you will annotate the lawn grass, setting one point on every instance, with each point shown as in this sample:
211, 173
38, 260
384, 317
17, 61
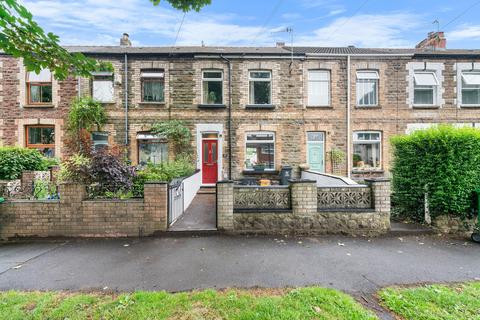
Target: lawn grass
305, 303
456, 302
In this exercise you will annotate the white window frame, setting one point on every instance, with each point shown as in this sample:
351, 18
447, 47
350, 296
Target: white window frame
463, 72
379, 141
361, 86
104, 77
310, 81
261, 142
250, 79
204, 79
434, 88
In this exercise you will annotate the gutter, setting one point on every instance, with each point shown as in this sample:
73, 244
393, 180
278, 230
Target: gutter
359, 55
289, 57
229, 120
126, 98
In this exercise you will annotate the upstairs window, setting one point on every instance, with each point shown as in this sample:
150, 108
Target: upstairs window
260, 150
153, 85
318, 88
41, 138
367, 88
425, 88
471, 88
367, 150
212, 83
39, 88
260, 86
102, 87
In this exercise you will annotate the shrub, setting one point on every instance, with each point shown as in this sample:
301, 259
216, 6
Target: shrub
75, 169
166, 172
15, 160
177, 132
443, 162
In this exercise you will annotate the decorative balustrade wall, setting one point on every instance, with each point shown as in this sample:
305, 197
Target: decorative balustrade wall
352, 197
262, 198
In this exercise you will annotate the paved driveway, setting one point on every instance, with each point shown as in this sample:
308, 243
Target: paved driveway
183, 263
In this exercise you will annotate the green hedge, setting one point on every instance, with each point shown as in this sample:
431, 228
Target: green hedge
444, 162
14, 160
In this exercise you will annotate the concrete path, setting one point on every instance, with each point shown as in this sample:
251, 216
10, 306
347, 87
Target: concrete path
183, 263
201, 215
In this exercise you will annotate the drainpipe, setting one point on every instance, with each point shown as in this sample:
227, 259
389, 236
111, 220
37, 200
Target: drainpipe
126, 99
229, 120
349, 135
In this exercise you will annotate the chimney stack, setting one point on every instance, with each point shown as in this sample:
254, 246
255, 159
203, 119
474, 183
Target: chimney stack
280, 44
434, 41
125, 40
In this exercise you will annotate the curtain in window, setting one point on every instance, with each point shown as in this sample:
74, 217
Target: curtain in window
153, 91
424, 96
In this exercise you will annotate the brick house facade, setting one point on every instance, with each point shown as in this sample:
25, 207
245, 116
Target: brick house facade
236, 123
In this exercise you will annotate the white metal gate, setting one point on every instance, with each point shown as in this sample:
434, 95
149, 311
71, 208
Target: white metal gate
175, 200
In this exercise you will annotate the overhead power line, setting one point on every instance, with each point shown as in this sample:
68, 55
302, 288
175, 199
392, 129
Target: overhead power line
461, 14
179, 28
269, 17
347, 20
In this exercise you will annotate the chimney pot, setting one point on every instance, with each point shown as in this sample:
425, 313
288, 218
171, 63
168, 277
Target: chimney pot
280, 44
125, 40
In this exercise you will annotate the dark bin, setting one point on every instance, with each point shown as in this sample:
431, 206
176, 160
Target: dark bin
285, 175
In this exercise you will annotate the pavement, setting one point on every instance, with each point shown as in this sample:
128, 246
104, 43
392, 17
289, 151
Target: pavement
355, 265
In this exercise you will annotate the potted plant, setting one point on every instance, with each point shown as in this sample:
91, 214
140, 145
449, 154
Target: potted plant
259, 167
212, 97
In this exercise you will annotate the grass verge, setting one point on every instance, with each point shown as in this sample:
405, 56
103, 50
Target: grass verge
305, 303
455, 302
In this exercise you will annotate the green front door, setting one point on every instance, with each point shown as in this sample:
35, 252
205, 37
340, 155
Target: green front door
316, 151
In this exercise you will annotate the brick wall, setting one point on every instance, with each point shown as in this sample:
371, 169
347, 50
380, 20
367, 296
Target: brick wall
73, 216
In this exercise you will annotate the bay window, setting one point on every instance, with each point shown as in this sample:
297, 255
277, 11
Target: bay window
41, 137
260, 150
151, 149
153, 85
471, 88
318, 88
102, 87
39, 88
212, 84
367, 88
425, 88
367, 150
260, 87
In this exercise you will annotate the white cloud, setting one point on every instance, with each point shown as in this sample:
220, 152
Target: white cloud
367, 30
464, 32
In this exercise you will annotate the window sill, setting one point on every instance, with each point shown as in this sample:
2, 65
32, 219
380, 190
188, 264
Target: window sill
471, 106
267, 172
368, 107
211, 106
319, 107
38, 106
419, 106
260, 106
359, 171
146, 103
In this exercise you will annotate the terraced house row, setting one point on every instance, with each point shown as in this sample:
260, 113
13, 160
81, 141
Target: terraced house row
253, 110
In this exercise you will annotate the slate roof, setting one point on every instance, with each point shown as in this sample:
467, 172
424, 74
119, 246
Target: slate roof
178, 50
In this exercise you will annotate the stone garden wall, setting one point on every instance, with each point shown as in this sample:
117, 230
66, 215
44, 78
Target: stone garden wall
74, 216
356, 210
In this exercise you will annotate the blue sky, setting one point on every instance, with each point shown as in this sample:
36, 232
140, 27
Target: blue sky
363, 23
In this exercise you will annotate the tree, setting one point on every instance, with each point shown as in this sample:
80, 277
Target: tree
22, 37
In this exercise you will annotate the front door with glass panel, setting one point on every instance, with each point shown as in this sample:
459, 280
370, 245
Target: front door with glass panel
316, 151
209, 159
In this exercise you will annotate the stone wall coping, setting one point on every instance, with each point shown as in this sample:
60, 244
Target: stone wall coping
224, 181
378, 180
261, 187
345, 186
156, 182
133, 200
31, 201
302, 181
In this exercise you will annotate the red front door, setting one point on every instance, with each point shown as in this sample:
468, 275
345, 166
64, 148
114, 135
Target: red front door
209, 161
